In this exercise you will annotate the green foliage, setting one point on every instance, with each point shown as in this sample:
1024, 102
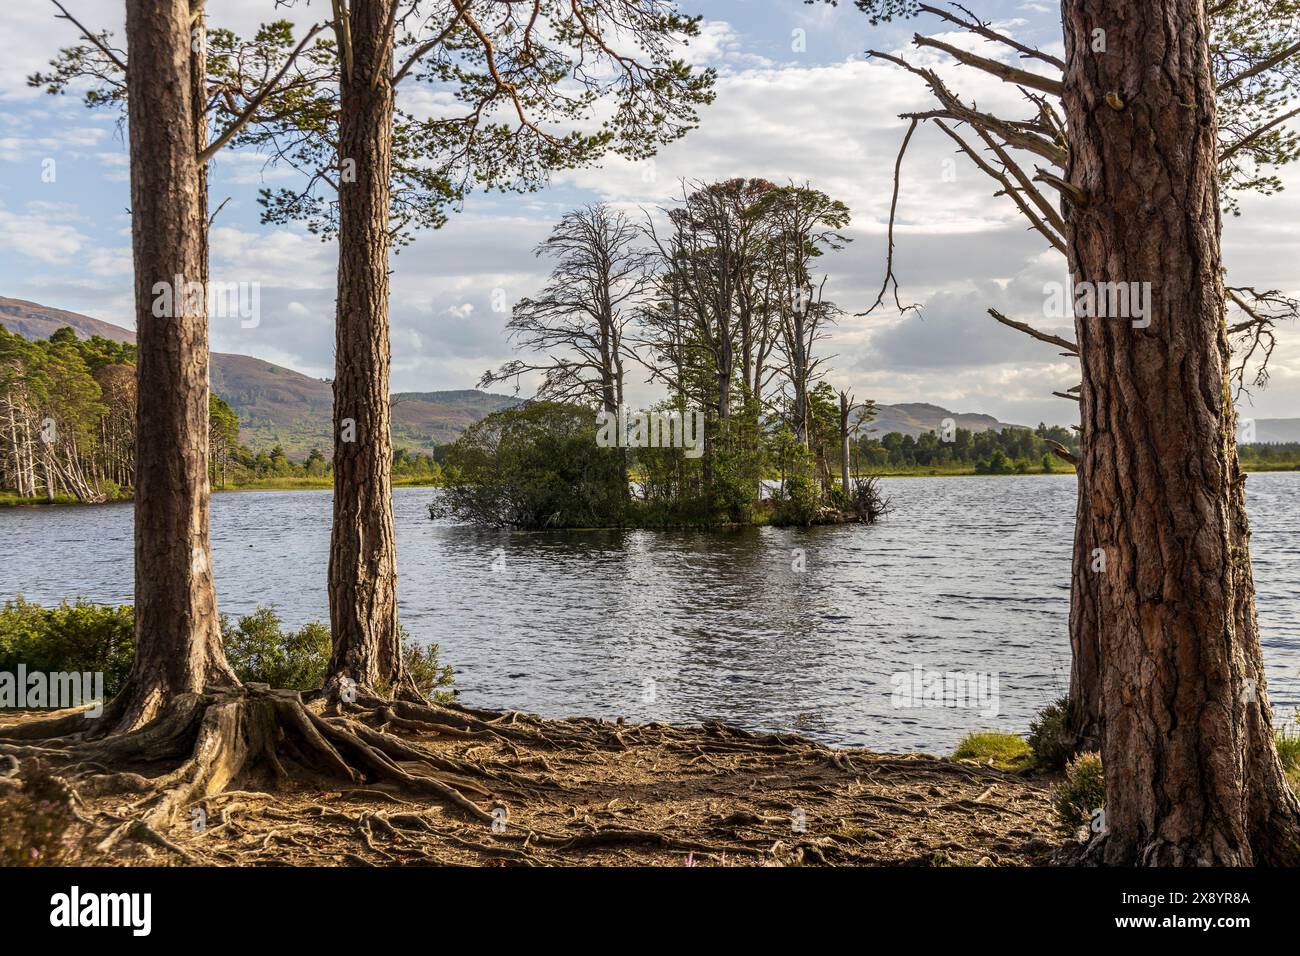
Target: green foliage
89, 637
79, 637
432, 678
534, 466
34, 820
1004, 751
1288, 750
884, 11
1082, 791
79, 384
575, 98
1004, 452
1050, 737
260, 651
799, 501
1245, 35
718, 488
1283, 456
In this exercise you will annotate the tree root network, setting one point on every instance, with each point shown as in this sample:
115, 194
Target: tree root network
255, 776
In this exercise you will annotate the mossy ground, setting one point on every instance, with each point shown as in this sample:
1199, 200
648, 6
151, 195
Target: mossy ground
1008, 752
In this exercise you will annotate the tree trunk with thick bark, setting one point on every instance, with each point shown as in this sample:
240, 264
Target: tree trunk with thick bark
363, 551
1192, 771
177, 634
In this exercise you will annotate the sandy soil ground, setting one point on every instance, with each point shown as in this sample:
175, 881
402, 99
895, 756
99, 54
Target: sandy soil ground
585, 792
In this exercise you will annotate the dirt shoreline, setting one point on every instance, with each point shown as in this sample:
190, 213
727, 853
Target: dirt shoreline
635, 794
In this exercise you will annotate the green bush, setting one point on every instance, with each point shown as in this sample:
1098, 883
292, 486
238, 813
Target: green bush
1003, 751
798, 503
1050, 737
533, 466
1288, 750
90, 637
1082, 791
259, 651
71, 637
676, 491
429, 676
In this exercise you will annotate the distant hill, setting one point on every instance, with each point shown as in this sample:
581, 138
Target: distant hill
438, 417
33, 321
917, 418
277, 405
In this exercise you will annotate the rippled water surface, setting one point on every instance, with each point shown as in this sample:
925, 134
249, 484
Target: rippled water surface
965, 574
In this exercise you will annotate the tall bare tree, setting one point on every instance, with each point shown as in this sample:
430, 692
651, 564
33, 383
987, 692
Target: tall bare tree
804, 224
710, 259
577, 323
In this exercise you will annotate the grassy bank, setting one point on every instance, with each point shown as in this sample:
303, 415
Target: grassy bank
315, 483
318, 483
961, 471
10, 500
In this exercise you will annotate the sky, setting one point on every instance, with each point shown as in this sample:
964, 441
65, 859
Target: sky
797, 100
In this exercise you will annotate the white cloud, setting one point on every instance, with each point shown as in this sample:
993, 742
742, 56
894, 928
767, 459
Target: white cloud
40, 236
827, 115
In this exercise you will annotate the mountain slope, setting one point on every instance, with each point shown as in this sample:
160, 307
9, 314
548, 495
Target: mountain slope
916, 418
33, 321
277, 405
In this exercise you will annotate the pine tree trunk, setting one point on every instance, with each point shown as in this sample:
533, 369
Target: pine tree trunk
1192, 772
363, 552
178, 642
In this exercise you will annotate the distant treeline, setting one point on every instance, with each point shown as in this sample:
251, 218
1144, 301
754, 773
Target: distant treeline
1014, 451
1280, 455
67, 426
1008, 451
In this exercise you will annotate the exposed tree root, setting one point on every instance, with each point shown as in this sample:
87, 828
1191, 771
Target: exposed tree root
256, 776
250, 733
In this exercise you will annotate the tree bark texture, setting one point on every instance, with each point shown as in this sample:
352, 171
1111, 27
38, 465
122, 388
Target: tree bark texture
1192, 772
363, 552
178, 641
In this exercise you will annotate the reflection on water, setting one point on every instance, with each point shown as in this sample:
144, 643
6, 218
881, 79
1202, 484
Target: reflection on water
965, 574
